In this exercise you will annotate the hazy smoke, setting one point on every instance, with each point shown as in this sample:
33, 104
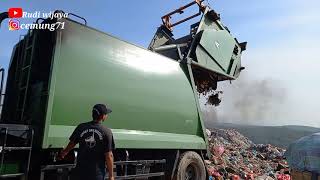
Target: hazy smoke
209, 114
249, 101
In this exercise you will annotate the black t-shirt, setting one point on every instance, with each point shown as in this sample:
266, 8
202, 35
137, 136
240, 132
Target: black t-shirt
94, 141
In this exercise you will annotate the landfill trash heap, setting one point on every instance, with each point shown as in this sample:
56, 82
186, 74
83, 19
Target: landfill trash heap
235, 157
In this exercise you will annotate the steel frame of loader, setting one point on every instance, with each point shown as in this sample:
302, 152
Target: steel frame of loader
142, 169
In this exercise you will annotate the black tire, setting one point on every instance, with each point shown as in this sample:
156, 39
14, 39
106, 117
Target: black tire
191, 167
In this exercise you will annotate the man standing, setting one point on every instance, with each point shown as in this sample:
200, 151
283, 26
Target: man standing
95, 146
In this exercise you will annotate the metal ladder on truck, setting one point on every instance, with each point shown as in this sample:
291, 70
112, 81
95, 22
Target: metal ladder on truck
1, 91
16, 140
26, 57
7, 148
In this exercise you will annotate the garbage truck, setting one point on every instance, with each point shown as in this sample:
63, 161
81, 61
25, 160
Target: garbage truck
55, 77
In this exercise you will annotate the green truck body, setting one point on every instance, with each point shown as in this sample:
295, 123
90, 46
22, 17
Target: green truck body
151, 96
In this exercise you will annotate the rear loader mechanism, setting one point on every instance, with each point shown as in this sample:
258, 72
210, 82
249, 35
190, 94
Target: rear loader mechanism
211, 51
210, 54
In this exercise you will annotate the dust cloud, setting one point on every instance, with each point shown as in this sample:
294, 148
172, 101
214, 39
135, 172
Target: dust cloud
249, 101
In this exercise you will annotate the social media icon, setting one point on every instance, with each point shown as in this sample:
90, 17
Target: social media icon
14, 24
15, 12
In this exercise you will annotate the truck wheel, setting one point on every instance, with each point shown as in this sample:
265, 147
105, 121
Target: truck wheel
191, 167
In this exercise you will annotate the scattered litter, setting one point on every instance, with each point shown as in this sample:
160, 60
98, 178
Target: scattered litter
235, 157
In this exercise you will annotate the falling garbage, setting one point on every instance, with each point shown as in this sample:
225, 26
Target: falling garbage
235, 157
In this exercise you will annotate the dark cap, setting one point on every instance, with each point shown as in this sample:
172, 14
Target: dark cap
101, 109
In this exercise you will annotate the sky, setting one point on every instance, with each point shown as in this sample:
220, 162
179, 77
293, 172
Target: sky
280, 84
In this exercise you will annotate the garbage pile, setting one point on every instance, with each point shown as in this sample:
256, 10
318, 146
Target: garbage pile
235, 157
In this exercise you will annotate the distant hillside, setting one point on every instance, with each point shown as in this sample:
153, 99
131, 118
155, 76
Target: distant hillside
280, 136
